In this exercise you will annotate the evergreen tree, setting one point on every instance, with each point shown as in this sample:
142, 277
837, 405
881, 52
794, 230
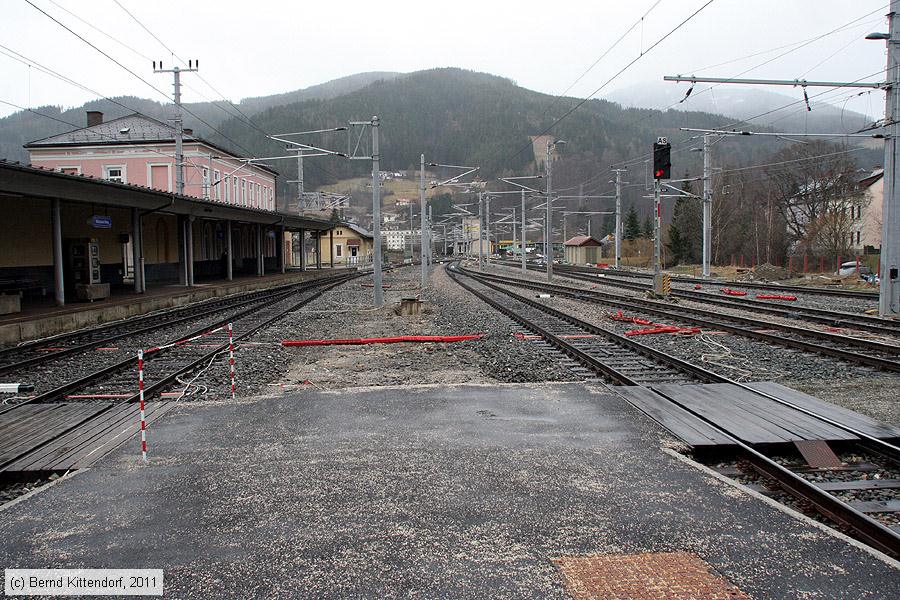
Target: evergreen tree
335, 217
686, 231
632, 225
648, 227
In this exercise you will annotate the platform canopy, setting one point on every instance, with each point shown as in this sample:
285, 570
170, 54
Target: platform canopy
25, 181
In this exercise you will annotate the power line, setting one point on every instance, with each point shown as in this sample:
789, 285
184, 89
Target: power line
611, 79
602, 56
97, 29
786, 162
64, 26
244, 118
798, 45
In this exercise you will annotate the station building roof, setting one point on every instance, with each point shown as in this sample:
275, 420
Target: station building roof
27, 181
582, 240
130, 130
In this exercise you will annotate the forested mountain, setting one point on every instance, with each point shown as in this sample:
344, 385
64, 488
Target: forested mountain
466, 118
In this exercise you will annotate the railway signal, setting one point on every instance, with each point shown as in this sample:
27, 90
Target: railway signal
662, 161
662, 167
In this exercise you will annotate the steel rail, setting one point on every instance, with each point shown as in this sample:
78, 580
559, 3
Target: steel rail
715, 319
867, 529
100, 374
820, 291
667, 359
889, 450
196, 308
819, 315
49, 357
323, 283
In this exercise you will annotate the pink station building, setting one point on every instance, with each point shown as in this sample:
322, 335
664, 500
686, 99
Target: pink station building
139, 150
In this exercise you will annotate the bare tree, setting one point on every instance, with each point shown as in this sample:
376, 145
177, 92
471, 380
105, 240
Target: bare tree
816, 191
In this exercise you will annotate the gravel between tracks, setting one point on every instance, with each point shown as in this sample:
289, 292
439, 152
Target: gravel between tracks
263, 366
607, 284
855, 387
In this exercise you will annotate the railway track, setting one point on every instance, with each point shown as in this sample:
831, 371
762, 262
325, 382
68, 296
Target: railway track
799, 289
116, 384
47, 350
832, 318
615, 357
116, 381
870, 353
570, 334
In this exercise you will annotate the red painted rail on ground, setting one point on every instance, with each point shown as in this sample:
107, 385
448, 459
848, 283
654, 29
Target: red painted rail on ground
383, 340
732, 292
775, 297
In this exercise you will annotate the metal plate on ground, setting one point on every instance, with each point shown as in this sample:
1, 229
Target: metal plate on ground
674, 575
818, 454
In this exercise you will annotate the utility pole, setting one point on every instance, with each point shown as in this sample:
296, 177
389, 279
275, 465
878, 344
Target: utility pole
889, 292
618, 236
376, 216
487, 227
422, 218
179, 121
300, 186
524, 264
548, 222
707, 206
889, 298
514, 229
657, 239
480, 229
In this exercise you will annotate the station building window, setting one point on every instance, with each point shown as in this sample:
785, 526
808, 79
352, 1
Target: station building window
217, 180
114, 173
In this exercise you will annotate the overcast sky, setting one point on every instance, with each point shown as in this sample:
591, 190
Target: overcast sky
265, 47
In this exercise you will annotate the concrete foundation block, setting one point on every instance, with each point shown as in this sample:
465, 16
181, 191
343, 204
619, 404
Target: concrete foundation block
10, 303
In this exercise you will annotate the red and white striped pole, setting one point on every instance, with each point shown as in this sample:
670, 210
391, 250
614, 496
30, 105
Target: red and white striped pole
231, 357
141, 392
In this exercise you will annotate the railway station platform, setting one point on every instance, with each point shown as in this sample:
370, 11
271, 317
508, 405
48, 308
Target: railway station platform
38, 320
526, 490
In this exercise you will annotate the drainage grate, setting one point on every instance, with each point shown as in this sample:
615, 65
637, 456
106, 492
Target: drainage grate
671, 575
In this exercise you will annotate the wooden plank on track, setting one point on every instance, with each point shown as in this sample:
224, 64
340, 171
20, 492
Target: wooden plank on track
86, 445
751, 417
851, 418
680, 423
714, 403
47, 457
47, 424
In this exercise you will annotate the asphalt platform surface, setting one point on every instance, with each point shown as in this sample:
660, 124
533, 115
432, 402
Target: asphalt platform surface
447, 491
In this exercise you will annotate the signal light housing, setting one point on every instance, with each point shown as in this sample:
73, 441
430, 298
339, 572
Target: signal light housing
662, 161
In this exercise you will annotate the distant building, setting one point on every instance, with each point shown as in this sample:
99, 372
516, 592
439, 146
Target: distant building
138, 150
582, 249
867, 223
350, 244
398, 239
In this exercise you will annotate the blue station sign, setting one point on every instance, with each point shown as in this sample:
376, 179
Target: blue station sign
101, 222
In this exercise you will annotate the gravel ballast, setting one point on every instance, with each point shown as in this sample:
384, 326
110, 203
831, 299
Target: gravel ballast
264, 366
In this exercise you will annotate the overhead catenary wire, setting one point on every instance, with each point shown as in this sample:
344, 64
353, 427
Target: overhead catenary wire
643, 53
131, 72
794, 48
241, 116
602, 56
